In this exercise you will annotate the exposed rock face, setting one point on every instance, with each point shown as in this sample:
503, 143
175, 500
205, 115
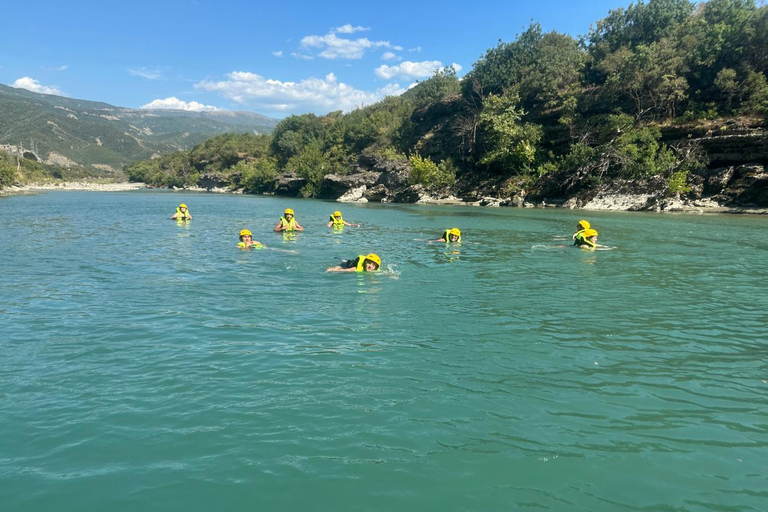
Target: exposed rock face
393, 175
736, 148
211, 181
354, 195
335, 186
411, 194
376, 193
745, 185
289, 185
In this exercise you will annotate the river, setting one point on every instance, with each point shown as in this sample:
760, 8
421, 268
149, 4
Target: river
151, 365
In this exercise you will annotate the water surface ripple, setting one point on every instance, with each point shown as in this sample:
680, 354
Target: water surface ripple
148, 365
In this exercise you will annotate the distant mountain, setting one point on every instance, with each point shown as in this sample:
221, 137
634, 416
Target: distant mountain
66, 131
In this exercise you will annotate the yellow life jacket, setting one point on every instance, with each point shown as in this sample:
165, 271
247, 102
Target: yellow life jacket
337, 223
360, 263
581, 240
255, 245
360, 266
183, 215
447, 236
288, 226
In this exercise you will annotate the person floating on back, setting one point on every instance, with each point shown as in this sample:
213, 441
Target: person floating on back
182, 213
247, 241
288, 223
367, 263
337, 221
452, 235
587, 240
581, 227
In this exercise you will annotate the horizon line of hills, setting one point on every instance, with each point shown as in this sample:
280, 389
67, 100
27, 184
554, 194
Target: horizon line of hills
68, 132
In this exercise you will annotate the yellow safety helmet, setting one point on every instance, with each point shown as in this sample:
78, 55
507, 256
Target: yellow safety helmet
288, 211
337, 214
454, 232
245, 232
182, 205
584, 224
589, 232
374, 258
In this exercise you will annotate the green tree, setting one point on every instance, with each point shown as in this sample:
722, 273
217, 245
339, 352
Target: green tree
7, 170
508, 143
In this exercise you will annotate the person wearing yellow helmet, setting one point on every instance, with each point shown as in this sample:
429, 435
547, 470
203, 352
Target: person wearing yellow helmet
337, 221
182, 213
247, 241
288, 222
581, 227
587, 240
452, 235
363, 263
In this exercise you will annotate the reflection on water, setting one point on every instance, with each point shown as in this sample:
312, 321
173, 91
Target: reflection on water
163, 368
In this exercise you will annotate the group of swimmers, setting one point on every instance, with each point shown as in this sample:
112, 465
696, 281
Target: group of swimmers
585, 237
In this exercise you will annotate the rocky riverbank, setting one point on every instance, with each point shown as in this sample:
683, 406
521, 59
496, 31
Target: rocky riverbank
72, 185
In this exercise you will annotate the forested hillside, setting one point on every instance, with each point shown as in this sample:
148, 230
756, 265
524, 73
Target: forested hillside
78, 133
646, 93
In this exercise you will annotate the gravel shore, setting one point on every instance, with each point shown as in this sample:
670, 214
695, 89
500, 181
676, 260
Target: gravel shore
73, 185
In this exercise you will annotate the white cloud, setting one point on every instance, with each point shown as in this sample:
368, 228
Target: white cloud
390, 56
174, 103
148, 73
349, 29
33, 85
55, 68
415, 49
303, 56
278, 53
411, 70
319, 95
334, 47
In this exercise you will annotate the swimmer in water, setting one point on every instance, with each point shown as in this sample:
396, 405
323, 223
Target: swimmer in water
582, 226
336, 221
587, 240
247, 241
182, 213
367, 263
288, 222
449, 236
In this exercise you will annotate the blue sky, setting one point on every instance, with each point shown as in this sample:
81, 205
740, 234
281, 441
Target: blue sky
274, 58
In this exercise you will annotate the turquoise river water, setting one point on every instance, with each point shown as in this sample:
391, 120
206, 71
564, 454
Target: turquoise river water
147, 365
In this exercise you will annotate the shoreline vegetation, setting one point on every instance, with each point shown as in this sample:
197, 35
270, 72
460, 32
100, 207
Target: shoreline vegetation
662, 106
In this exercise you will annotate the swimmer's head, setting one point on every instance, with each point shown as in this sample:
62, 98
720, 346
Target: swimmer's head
583, 224
372, 262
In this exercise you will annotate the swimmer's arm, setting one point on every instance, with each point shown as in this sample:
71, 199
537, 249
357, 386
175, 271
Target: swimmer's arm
340, 269
350, 224
330, 223
298, 227
279, 226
